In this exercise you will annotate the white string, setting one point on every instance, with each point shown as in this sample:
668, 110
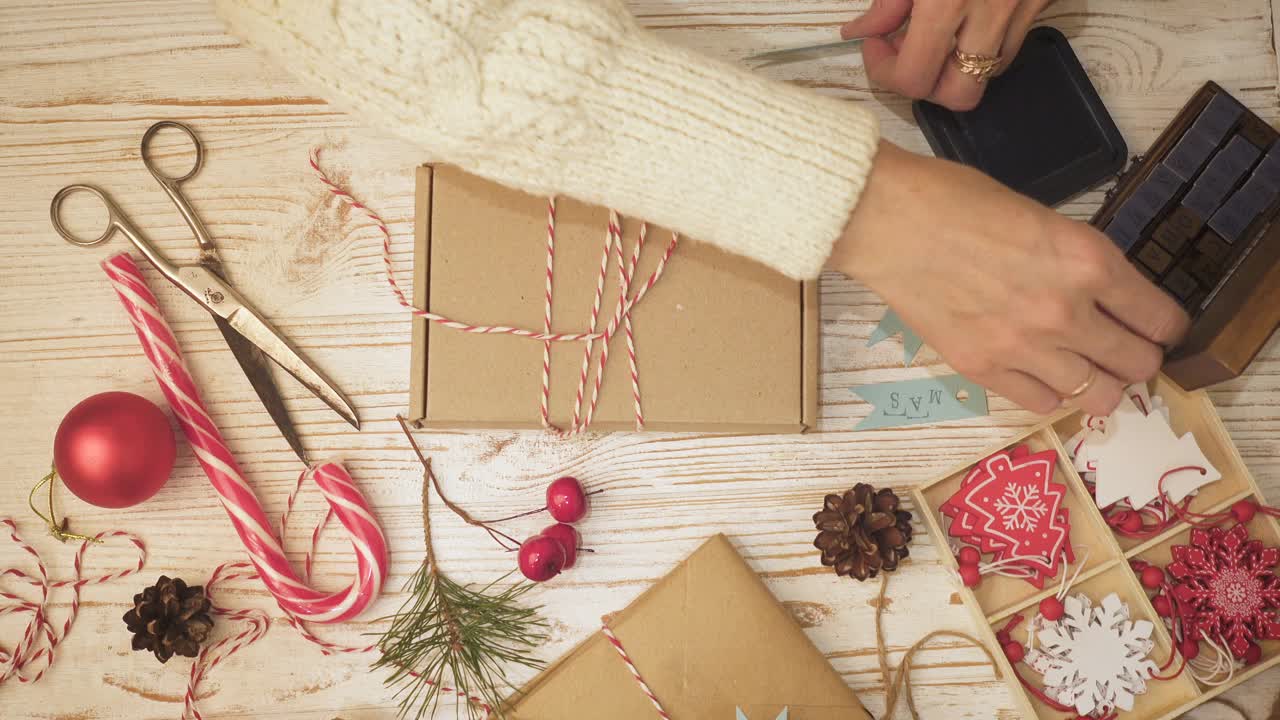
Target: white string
1009, 567
1036, 623
1066, 584
1222, 662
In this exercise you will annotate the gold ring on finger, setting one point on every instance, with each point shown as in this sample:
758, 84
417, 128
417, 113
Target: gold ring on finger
979, 67
1083, 387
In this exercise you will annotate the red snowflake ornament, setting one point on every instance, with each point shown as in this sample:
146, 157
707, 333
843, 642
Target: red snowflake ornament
1228, 586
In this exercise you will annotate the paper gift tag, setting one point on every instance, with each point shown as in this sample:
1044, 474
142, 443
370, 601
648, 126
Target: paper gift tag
923, 401
1135, 450
890, 325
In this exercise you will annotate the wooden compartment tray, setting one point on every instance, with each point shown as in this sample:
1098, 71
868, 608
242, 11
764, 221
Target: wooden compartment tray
1106, 555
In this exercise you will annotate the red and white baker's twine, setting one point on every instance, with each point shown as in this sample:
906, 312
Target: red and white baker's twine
31, 657
626, 303
635, 672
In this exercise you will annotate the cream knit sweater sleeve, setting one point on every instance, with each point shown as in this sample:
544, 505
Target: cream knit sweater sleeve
572, 97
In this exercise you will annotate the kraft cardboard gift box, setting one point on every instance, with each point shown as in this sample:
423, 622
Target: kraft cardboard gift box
709, 639
723, 344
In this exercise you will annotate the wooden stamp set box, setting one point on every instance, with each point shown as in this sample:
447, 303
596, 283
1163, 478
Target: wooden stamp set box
1106, 555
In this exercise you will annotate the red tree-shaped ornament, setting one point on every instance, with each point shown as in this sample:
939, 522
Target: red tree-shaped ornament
1228, 587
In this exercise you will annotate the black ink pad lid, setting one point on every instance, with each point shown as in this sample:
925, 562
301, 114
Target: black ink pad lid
1040, 129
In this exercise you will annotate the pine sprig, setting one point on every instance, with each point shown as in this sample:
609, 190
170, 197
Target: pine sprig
448, 635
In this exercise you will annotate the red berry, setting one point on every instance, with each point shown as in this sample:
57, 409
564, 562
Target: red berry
970, 575
968, 556
568, 538
1162, 606
541, 558
566, 500
1132, 523
1051, 608
1253, 654
1244, 511
1189, 648
1014, 652
1152, 577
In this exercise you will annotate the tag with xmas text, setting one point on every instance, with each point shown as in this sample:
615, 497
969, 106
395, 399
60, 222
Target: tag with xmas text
923, 401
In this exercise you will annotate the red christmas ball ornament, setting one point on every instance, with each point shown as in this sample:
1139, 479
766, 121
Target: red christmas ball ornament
968, 556
541, 558
1152, 577
970, 576
566, 500
1162, 606
1189, 648
114, 450
568, 538
1015, 652
1243, 511
1051, 608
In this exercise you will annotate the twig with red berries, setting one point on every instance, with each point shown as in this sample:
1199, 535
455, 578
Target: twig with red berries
455, 639
543, 555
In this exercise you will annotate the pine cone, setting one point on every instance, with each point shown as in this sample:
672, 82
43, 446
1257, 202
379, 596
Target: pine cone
862, 532
170, 619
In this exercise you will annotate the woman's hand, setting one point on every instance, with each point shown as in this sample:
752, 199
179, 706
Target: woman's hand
1011, 294
918, 63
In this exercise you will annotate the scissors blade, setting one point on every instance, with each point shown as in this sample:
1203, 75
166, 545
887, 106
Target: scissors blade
254, 364
202, 284
803, 52
258, 332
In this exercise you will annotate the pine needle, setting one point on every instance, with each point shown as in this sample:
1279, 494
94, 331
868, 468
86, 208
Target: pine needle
456, 640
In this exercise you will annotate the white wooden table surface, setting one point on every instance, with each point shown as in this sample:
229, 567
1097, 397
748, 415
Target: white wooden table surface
79, 84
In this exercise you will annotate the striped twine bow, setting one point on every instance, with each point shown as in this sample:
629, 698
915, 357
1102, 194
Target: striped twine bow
627, 301
33, 655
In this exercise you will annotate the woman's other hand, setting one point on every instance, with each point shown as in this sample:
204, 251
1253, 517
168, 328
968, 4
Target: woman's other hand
1011, 294
919, 62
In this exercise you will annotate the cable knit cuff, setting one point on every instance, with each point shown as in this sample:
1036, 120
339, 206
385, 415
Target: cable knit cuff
760, 168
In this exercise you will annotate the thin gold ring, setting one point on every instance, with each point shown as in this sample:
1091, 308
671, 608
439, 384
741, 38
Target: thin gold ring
1083, 387
979, 67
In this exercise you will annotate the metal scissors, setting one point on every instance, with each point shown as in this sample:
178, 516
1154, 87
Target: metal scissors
251, 338
804, 52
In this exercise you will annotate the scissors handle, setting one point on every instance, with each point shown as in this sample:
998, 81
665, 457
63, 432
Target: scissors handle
173, 185
116, 220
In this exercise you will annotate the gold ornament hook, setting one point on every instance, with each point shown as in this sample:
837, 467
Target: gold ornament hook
56, 529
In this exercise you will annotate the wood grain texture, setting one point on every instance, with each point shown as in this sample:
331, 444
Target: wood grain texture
80, 83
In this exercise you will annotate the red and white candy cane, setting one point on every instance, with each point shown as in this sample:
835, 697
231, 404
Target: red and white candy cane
293, 594
28, 660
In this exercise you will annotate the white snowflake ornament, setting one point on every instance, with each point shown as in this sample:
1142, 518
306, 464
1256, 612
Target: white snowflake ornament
1097, 659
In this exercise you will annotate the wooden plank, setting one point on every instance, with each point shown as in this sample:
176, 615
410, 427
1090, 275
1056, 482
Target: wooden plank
79, 84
